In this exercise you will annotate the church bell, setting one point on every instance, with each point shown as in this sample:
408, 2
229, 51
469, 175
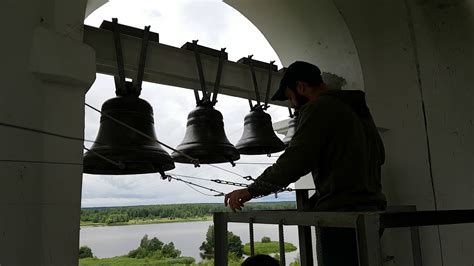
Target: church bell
136, 153
205, 138
258, 136
126, 143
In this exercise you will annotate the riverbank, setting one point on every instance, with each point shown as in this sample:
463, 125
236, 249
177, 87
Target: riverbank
112, 241
150, 221
168, 213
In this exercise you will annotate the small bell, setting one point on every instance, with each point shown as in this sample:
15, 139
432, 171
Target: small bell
205, 138
258, 136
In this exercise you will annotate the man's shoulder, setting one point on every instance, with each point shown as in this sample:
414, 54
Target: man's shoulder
324, 103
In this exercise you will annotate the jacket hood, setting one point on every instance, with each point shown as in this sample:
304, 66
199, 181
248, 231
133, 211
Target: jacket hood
354, 99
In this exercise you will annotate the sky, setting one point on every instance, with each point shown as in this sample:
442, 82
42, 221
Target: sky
215, 25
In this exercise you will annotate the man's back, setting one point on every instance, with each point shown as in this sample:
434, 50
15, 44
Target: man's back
347, 172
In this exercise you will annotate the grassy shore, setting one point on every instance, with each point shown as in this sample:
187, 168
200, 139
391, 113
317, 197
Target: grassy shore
124, 261
151, 221
268, 247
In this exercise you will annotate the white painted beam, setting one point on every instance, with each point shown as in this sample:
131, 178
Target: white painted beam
175, 66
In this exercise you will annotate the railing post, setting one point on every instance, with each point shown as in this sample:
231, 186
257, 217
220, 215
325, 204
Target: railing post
281, 235
304, 232
319, 247
220, 239
368, 239
252, 241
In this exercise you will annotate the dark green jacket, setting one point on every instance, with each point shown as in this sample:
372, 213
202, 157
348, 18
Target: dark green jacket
337, 141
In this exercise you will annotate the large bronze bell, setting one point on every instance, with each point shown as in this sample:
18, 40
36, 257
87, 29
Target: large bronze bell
136, 153
290, 132
258, 136
205, 138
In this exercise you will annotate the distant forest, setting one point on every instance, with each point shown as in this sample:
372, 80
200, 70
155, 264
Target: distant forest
114, 215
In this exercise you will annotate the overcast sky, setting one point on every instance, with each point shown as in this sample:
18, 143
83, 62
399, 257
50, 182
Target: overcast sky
216, 25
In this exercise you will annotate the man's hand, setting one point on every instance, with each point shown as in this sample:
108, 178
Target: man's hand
237, 198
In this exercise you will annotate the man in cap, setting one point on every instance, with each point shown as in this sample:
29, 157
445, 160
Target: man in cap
337, 141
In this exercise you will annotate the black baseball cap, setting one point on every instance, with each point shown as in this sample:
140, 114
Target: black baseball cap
297, 71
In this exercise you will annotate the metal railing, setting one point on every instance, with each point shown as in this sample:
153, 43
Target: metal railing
367, 226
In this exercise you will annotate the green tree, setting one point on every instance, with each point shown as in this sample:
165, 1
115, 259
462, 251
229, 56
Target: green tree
169, 251
234, 242
266, 239
154, 248
85, 252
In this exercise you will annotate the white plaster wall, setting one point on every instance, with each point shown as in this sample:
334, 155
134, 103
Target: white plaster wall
45, 73
408, 55
305, 30
444, 35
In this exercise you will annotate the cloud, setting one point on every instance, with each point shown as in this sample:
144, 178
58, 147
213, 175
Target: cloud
216, 25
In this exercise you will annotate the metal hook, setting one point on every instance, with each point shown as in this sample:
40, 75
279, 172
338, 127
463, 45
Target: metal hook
254, 79
218, 76
201, 76
141, 64
269, 84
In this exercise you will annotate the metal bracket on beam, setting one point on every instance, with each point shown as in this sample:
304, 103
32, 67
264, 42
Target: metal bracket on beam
127, 30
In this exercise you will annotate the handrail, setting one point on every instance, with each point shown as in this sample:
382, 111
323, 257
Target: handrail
366, 224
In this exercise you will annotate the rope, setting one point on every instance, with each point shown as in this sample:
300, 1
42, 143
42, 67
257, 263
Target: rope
118, 164
40, 162
46, 132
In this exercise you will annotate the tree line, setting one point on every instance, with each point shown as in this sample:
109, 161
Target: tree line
111, 215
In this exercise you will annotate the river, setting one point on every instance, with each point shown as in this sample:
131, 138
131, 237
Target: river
111, 241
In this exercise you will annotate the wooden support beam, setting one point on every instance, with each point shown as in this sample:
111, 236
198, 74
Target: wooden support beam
174, 66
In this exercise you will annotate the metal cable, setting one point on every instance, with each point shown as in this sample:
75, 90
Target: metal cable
192, 177
193, 160
197, 185
46, 132
219, 181
254, 163
225, 170
200, 192
224, 182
